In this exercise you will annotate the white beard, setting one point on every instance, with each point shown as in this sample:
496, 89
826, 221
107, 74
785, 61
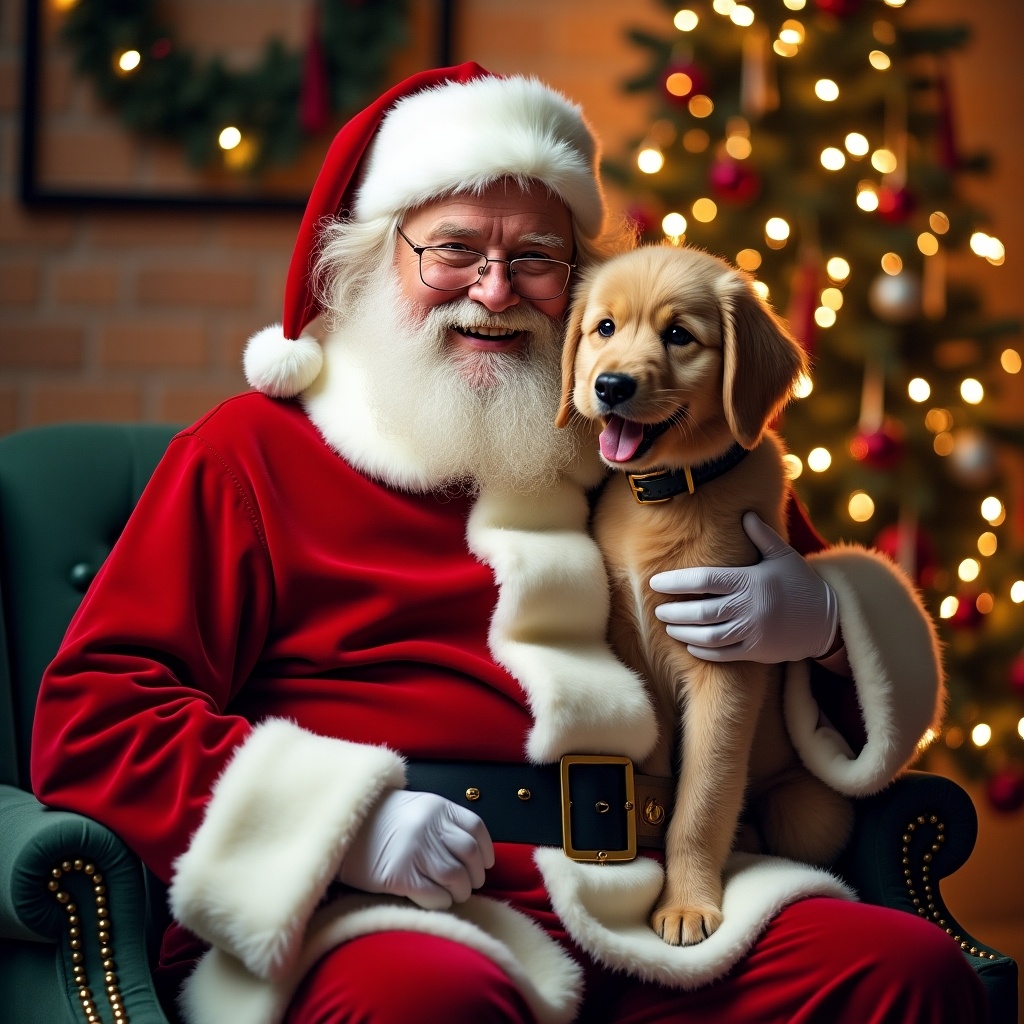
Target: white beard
470, 419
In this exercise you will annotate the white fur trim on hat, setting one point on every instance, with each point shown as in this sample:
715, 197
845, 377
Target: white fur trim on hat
463, 136
279, 367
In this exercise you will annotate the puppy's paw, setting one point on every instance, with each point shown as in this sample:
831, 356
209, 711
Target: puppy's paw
685, 926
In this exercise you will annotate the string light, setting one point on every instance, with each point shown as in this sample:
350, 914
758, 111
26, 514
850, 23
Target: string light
861, 506
738, 147
919, 390
988, 544
674, 225
879, 60
857, 144
988, 247
776, 230
867, 197
827, 90
833, 298
803, 387
742, 16
825, 317
884, 161
748, 259
686, 20
650, 160
992, 510
128, 61
704, 210
927, 243
229, 137
981, 734
762, 289
833, 159
792, 465
819, 459
1009, 360
948, 608
724, 7
969, 569
938, 222
892, 264
837, 269
795, 5
1017, 592
943, 444
700, 106
792, 32
971, 391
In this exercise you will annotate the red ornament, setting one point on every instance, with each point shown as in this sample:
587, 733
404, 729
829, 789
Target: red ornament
840, 8
1006, 790
889, 542
733, 182
895, 205
880, 449
682, 80
160, 48
1017, 675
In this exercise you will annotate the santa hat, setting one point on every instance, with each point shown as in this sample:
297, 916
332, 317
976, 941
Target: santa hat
437, 133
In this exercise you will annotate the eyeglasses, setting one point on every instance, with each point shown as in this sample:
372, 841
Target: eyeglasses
451, 270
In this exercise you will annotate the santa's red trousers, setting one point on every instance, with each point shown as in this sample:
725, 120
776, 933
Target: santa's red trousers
821, 961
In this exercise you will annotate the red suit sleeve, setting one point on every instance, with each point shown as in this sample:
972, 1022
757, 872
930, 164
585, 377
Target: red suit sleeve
130, 727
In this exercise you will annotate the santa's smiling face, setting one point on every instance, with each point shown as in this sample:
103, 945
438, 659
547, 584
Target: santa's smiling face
488, 317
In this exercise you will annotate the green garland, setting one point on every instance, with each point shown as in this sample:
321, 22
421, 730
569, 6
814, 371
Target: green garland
171, 96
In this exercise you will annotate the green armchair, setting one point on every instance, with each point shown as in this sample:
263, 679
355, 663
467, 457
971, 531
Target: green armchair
81, 918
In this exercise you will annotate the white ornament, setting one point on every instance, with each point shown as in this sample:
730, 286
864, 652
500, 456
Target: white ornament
896, 298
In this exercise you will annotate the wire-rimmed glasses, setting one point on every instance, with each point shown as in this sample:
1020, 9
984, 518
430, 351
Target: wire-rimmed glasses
450, 270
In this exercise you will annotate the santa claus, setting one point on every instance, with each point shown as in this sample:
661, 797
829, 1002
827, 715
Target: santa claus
343, 682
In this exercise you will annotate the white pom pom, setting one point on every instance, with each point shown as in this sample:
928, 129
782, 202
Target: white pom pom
279, 367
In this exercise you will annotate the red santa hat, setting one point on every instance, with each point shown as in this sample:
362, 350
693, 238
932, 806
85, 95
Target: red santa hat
437, 133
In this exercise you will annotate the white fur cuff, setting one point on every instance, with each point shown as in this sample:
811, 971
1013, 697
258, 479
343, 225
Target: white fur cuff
279, 367
895, 658
274, 834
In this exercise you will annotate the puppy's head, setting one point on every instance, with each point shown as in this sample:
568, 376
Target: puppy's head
673, 351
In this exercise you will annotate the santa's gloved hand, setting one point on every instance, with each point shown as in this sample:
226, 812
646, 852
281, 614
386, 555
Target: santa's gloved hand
422, 846
778, 610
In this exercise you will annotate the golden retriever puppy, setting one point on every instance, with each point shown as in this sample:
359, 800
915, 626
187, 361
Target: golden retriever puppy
672, 354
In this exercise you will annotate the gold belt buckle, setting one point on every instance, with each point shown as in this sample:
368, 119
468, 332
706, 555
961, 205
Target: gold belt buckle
598, 856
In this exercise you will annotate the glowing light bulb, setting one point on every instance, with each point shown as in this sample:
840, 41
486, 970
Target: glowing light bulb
837, 269
742, 16
861, 506
777, 229
856, 144
992, 509
803, 386
674, 225
1020, 728
884, 161
1009, 360
129, 60
704, 210
867, 197
794, 5
827, 90
985, 603
650, 160
879, 60
981, 734
927, 243
943, 444
948, 607
700, 106
891, 263
762, 290
825, 317
919, 390
229, 138
971, 391
686, 20
723, 7
819, 459
938, 222
832, 159
792, 32
938, 419
968, 569
833, 298
738, 147
988, 544
792, 465
1017, 592
748, 259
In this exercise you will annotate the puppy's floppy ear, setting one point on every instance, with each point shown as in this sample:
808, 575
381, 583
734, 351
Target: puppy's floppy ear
573, 334
762, 359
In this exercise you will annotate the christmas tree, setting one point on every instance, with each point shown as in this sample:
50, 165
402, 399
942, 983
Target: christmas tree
812, 143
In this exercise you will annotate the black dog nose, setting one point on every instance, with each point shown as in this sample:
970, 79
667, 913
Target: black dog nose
613, 388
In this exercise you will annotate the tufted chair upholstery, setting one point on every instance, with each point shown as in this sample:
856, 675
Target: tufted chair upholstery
80, 918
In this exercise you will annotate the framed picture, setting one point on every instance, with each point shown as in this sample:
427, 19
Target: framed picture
239, 104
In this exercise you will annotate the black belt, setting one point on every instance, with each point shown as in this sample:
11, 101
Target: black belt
595, 808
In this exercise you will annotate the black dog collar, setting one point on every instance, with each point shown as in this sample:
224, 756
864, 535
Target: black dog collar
664, 484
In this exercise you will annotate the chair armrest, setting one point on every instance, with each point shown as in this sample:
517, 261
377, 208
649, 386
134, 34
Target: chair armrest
67, 880
917, 831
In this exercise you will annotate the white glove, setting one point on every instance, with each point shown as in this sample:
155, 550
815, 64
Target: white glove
422, 846
778, 610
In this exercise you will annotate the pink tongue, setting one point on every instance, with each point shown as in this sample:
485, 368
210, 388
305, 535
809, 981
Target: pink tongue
620, 439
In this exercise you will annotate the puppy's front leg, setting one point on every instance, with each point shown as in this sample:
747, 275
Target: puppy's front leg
719, 718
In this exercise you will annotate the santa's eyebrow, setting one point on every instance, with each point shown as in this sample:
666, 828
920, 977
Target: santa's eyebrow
453, 229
